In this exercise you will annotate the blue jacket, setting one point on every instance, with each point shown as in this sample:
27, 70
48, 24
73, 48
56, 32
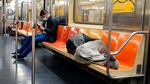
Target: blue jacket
51, 28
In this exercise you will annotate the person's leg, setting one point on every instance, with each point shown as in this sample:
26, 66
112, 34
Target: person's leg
26, 43
38, 39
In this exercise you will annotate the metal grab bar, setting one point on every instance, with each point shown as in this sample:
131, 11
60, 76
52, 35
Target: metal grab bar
34, 22
128, 39
16, 37
116, 52
33, 53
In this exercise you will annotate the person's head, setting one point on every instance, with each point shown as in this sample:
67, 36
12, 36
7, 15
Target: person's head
44, 14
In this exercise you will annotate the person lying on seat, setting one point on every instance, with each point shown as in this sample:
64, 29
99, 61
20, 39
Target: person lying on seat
49, 28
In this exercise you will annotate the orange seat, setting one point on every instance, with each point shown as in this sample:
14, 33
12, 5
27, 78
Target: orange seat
85, 31
24, 27
96, 34
29, 27
73, 31
128, 54
114, 36
62, 35
59, 32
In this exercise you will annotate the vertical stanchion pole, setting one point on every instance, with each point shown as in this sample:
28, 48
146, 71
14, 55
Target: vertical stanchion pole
109, 11
16, 44
34, 10
147, 55
4, 16
27, 17
50, 7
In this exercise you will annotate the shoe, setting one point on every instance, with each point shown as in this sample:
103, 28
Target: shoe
19, 56
15, 52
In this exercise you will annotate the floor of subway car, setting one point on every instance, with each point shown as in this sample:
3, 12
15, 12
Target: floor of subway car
49, 68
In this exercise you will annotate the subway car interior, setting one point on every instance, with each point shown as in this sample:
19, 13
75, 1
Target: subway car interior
74, 41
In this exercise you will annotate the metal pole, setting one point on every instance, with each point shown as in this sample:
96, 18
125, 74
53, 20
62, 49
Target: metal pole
44, 5
34, 21
127, 40
143, 15
109, 7
66, 11
27, 10
4, 17
147, 66
147, 56
16, 47
27, 25
1, 10
50, 7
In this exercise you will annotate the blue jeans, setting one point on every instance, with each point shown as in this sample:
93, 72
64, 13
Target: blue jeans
27, 45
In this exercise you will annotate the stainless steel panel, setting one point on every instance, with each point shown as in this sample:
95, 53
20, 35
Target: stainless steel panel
1, 18
128, 21
147, 15
1, 28
147, 44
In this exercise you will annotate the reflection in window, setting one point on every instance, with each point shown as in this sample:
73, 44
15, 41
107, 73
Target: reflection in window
24, 11
59, 10
89, 11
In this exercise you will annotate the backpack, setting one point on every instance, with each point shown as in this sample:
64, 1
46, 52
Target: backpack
75, 41
94, 52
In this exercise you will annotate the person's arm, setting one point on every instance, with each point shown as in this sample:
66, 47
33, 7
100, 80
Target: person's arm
41, 27
51, 26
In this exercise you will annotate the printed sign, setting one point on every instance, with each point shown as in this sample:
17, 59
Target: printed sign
123, 6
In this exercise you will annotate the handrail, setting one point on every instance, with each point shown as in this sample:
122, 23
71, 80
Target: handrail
34, 22
128, 39
16, 37
109, 12
116, 52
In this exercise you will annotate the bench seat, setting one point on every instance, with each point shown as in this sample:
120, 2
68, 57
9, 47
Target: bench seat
26, 29
128, 57
127, 66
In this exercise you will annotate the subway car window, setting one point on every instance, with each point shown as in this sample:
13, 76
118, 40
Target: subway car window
127, 15
24, 11
52, 7
40, 6
10, 13
61, 11
89, 11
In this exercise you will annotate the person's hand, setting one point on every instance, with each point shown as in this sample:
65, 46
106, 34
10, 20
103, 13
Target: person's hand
40, 26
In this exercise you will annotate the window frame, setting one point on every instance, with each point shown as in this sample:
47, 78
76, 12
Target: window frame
91, 23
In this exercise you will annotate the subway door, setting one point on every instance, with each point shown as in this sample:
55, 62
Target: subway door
1, 18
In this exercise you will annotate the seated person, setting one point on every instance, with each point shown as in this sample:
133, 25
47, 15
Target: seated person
49, 28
